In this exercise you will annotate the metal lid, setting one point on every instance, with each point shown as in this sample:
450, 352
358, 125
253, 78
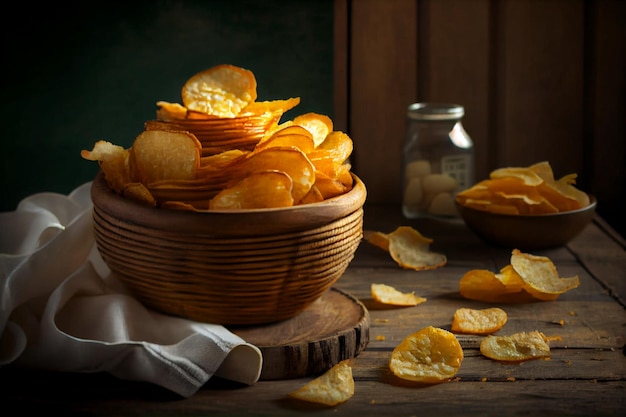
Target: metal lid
435, 111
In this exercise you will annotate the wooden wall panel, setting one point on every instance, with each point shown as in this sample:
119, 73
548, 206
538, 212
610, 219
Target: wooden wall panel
540, 80
383, 47
540, 84
605, 104
454, 64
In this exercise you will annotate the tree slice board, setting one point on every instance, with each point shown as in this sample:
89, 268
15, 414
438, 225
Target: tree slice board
335, 327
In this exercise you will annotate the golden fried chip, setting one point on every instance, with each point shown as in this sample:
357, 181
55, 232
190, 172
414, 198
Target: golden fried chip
333, 387
223, 90
485, 285
304, 142
511, 280
274, 106
114, 162
516, 347
263, 189
313, 196
525, 174
138, 192
429, 355
540, 276
473, 321
318, 124
289, 160
411, 250
387, 294
329, 187
377, 238
481, 285
339, 145
164, 155
171, 111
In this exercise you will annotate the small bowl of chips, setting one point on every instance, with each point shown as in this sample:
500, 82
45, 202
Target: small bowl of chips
526, 208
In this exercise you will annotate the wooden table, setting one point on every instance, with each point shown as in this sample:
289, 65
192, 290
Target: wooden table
586, 374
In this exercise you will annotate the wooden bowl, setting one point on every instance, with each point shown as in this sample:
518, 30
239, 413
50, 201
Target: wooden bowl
240, 267
528, 232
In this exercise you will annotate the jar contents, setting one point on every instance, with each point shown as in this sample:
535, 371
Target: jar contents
438, 160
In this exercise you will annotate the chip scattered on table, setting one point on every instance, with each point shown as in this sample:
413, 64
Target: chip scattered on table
540, 276
386, 294
333, 387
480, 322
527, 277
430, 355
517, 347
407, 247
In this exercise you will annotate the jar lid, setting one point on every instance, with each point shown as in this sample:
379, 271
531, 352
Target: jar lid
435, 111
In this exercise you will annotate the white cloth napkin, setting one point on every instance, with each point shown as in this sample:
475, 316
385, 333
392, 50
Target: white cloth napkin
63, 309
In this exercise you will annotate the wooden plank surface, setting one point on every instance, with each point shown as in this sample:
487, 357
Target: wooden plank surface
585, 375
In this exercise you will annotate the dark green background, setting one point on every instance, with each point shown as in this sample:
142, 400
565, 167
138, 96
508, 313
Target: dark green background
78, 72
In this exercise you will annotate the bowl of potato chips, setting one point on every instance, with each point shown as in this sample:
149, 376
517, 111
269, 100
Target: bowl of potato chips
232, 228
526, 208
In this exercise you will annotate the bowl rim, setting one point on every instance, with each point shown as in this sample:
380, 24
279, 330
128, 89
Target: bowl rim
281, 219
593, 202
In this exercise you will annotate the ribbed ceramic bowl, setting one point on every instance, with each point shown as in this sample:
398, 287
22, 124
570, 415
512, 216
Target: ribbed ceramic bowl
228, 267
528, 232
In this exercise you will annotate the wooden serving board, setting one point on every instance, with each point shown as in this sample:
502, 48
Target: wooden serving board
333, 328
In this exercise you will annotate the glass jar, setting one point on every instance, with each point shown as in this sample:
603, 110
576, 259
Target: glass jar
438, 160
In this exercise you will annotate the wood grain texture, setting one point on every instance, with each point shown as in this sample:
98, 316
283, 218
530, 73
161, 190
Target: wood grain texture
538, 80
333, 328
454, 64
586, 374
383, 83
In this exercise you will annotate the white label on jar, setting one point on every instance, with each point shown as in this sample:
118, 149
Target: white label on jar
458, 167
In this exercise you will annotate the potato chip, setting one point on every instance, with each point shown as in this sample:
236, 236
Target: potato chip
302, 141
481, 322
273, 106
339, 145
318, 124
313, 196
223, 90
376, 238
164, 155
487, 286
517, 347
289, 160
171, 111
114, 162
411, 250
138, 192
527, 277
333, 387
387, 294
407, 247
429, 355
525, 174
540, 276
329, 187
511, 280
265, 189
